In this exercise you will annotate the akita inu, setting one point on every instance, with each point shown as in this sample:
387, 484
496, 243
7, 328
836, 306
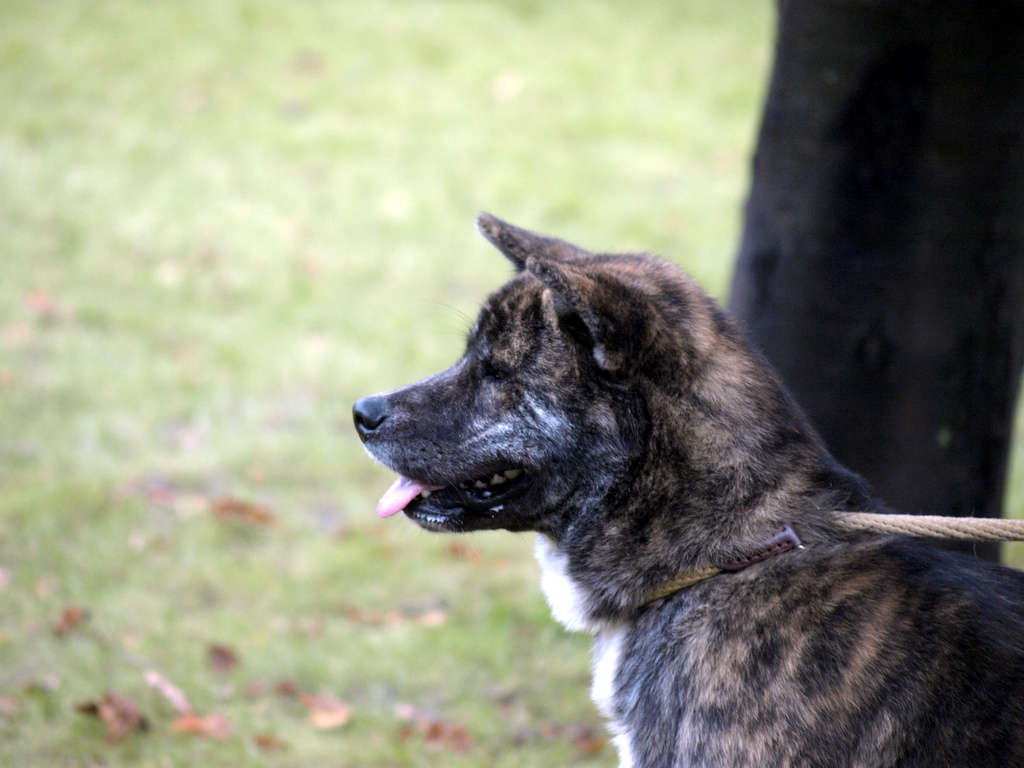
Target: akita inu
686, 517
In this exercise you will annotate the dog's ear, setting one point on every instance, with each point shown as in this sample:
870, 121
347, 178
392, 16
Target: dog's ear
518, 245
574, 293
589, 310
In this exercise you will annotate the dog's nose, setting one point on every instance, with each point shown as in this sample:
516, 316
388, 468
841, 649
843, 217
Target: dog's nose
369, 413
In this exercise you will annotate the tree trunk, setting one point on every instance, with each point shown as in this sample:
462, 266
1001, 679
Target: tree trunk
882, 262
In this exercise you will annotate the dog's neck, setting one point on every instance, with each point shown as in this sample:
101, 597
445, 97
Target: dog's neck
568, 598
599, 570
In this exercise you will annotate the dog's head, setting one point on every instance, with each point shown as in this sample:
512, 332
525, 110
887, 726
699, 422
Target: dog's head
534, 419
594, 387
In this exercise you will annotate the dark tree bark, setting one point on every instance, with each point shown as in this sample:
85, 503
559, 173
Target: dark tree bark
882, 262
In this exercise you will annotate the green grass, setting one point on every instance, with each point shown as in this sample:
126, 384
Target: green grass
220, 224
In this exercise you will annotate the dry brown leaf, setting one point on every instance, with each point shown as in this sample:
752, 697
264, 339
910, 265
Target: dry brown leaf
287, 688
267, 741
405, 711
388, 618
119, 713
354, 615
8, 707
222, 658
170, 692
254, 689
459, 550
228, 508
433, 618
214, 726
70, 618
589, 742
436, 734
440, 735
43, 305
326, 712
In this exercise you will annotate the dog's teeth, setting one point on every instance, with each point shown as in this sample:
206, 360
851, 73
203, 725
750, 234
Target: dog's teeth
497, 480
512, 474
425, 494
479, 484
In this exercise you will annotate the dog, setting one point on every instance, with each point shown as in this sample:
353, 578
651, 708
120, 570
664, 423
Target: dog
686, 517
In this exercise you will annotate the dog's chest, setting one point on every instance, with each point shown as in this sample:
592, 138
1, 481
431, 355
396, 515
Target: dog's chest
566, 598
568, 604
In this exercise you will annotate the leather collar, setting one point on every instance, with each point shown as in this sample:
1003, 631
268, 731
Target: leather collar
783, 541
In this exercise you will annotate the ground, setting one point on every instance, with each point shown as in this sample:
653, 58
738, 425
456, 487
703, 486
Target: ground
220, 224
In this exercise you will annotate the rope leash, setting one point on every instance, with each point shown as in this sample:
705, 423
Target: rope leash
929, 526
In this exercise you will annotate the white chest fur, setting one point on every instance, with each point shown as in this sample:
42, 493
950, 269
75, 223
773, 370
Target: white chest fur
566, 598
568, 604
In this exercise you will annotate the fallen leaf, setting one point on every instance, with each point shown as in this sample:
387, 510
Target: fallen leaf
287, 688
588, 741
424, 616
118, 713
222, 658
389, 618
405, 711
312, 627
170, 691
155, 488
43, 305
267, 741
326, 712
228, 508
70, 618
432, 618
43, 588
354, 615
8, 707
436, 734
131, 639
214, 726
256, 473
441, 735
459, 550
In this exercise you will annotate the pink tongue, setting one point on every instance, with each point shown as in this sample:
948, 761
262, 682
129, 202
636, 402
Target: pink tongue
398, 496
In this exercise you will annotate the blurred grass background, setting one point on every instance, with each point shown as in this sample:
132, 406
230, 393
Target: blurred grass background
220, 224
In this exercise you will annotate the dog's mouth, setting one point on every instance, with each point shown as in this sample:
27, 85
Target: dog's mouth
437, 506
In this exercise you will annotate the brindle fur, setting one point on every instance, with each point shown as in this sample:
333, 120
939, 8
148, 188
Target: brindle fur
654, 440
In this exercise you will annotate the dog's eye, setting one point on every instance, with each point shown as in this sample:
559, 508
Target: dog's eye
492, 371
